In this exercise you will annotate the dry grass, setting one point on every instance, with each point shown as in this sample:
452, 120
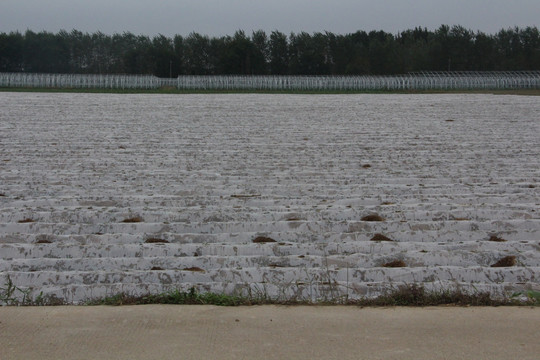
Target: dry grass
263, 239
406, 295
380, 237
506, 261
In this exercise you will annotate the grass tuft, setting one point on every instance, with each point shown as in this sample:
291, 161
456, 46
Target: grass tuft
406, 295
416, 295
176, 297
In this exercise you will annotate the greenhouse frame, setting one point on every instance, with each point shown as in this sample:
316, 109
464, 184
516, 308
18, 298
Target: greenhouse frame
425, 80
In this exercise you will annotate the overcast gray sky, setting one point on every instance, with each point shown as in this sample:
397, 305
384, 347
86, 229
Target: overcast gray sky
224, 17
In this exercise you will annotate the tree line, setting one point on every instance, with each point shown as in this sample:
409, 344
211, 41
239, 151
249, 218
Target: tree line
377, 52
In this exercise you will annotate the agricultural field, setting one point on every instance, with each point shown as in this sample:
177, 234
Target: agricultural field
315, 197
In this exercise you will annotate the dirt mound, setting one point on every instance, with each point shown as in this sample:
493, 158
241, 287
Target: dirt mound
25, 221
380, 237
263, 239
395, 264
136, 219
156, 241
372, 217
506, 261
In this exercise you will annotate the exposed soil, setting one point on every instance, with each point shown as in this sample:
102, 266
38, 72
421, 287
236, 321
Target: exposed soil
156, 241
366, 166
27, 220
156, 268
263, 239
43, 241
395, 264
496, 239
136, 219
194, 269
506, 261
380, 237
372, 217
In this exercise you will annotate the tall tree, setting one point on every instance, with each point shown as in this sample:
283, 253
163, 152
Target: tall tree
279, 54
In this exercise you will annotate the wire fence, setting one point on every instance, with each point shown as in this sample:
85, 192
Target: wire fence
412, 81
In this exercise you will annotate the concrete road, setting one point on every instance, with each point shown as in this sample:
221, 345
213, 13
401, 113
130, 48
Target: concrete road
268, 332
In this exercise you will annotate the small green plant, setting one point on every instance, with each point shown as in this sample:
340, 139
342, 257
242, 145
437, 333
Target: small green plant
532, 296
8, 294
176, 297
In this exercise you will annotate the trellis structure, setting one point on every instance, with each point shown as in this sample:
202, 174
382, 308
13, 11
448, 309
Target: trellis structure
411, 81
426, 80
79, 81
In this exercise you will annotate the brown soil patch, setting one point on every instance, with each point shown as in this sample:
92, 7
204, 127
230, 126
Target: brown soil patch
43, 241
496, 239
386, 203
156, 268
366, 166
395, 264
156, 241
372, 217
2, 194
194, 269
380, 237
136, 219
460, 219
25, 221
449, 120
294, 219
506, 261
263, 239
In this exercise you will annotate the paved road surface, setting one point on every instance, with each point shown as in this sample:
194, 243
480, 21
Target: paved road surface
268, 332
